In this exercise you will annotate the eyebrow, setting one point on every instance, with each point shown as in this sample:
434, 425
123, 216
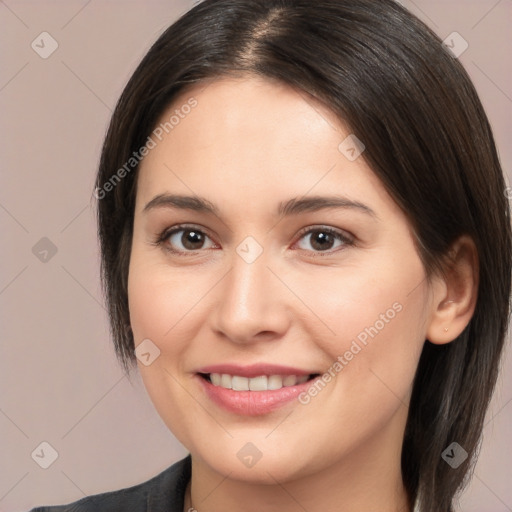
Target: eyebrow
293, 206
195, 203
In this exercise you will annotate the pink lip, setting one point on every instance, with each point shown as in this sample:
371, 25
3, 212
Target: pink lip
252, 403
254, 370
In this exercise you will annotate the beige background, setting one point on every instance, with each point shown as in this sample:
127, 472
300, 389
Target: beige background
60, 382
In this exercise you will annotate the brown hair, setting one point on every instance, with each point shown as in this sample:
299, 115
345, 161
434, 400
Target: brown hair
388, 77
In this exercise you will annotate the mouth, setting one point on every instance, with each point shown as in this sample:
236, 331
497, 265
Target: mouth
257, 394
258, 383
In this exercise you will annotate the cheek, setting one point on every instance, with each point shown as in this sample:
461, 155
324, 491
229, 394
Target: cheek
159, 300
373, 323
366, 303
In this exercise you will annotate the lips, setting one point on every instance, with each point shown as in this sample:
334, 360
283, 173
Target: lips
254, 370
255, 389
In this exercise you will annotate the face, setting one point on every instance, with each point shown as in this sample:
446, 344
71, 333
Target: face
292, 278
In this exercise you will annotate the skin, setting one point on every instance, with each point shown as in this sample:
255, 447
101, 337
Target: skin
249, 144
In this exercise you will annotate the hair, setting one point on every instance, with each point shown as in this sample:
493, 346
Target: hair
388, 78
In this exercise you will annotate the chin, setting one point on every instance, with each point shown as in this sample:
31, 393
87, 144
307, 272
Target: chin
244, 461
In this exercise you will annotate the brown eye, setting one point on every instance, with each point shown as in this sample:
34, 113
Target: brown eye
322, 240
187, 239
192, 239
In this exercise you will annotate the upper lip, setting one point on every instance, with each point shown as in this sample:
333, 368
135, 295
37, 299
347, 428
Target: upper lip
254, 370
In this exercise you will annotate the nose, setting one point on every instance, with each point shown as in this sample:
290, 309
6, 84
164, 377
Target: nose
251, 302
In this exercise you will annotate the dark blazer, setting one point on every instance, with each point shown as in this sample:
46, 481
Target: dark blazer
163, 493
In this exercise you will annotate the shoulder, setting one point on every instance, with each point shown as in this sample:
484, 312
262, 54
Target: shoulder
163, 492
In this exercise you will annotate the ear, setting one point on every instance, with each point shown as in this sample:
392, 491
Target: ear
454, 293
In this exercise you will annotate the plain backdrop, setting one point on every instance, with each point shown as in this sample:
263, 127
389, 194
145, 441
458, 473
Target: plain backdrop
60, 382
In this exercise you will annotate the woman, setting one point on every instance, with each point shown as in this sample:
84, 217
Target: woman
306, 249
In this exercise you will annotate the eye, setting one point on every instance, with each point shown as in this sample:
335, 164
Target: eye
183, 239
323, 239
187, 239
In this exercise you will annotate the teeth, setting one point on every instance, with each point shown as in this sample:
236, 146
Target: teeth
258, 383
261, 383
302, 379
275, 382
239, 383
289, 380
225, 381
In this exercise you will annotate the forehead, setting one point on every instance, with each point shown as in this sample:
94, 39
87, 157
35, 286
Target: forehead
228, 135
250, 115
253, 94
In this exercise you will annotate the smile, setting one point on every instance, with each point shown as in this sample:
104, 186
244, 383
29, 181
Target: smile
260, 389
259, 383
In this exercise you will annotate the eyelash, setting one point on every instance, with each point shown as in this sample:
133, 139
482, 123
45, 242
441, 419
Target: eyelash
164, 235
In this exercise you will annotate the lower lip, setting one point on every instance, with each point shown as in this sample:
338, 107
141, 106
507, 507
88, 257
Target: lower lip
252, 403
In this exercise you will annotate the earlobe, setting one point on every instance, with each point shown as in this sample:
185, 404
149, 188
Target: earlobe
455, 294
